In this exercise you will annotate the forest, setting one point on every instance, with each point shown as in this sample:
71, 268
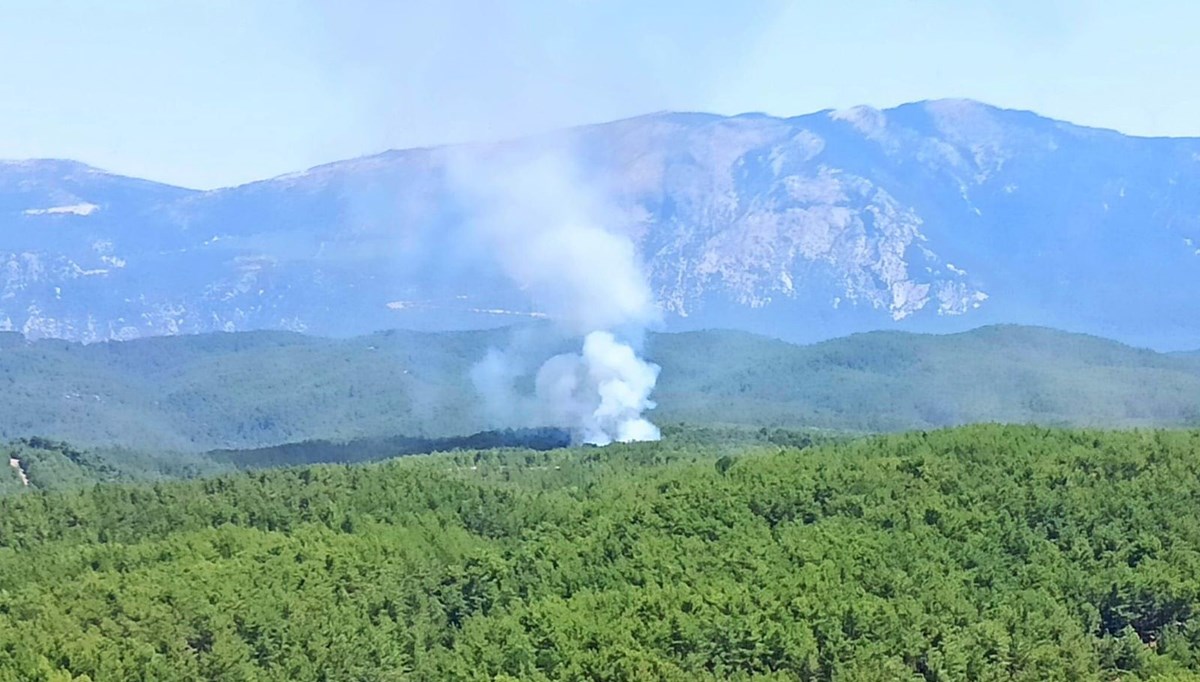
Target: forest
197, 393
976, 553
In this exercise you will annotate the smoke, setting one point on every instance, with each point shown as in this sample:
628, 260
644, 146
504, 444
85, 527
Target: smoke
570, 251
601, 393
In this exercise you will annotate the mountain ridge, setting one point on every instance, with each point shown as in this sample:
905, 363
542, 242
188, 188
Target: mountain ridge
649, 116
936, 216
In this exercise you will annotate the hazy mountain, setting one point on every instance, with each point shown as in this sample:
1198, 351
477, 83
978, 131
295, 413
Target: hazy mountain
261, 388
935, 216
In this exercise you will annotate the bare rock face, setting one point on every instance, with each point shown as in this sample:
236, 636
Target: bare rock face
931, 216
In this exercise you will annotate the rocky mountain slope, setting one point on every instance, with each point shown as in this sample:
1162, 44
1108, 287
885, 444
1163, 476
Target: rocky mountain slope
935, 216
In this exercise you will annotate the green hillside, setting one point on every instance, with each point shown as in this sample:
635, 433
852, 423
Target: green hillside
891, 381
979, 553
195, 393
239, 390
38, 464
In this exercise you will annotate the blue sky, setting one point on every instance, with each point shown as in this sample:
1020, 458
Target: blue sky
215, 92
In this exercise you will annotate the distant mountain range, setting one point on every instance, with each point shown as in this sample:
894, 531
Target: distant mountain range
934, 216
253, 389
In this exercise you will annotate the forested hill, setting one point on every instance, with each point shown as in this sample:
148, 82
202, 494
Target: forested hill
883, 381
980, 553
196, 393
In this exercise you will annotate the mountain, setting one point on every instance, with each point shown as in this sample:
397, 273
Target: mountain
254, 389
933, 216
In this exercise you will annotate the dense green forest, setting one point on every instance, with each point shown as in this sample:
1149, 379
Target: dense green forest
42, 464
39, 464
887, 381
247, 390
977, 553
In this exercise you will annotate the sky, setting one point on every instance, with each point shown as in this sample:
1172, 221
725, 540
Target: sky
208, 93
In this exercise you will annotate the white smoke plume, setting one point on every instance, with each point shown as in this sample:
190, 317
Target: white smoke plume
601, 393
569, 250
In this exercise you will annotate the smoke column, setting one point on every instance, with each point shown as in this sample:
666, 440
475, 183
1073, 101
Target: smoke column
560, 242
600, 393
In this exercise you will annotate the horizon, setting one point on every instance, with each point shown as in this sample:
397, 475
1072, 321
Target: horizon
538, 133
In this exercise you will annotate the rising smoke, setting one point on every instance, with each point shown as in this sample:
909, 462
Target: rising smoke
601, 393
563, 245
